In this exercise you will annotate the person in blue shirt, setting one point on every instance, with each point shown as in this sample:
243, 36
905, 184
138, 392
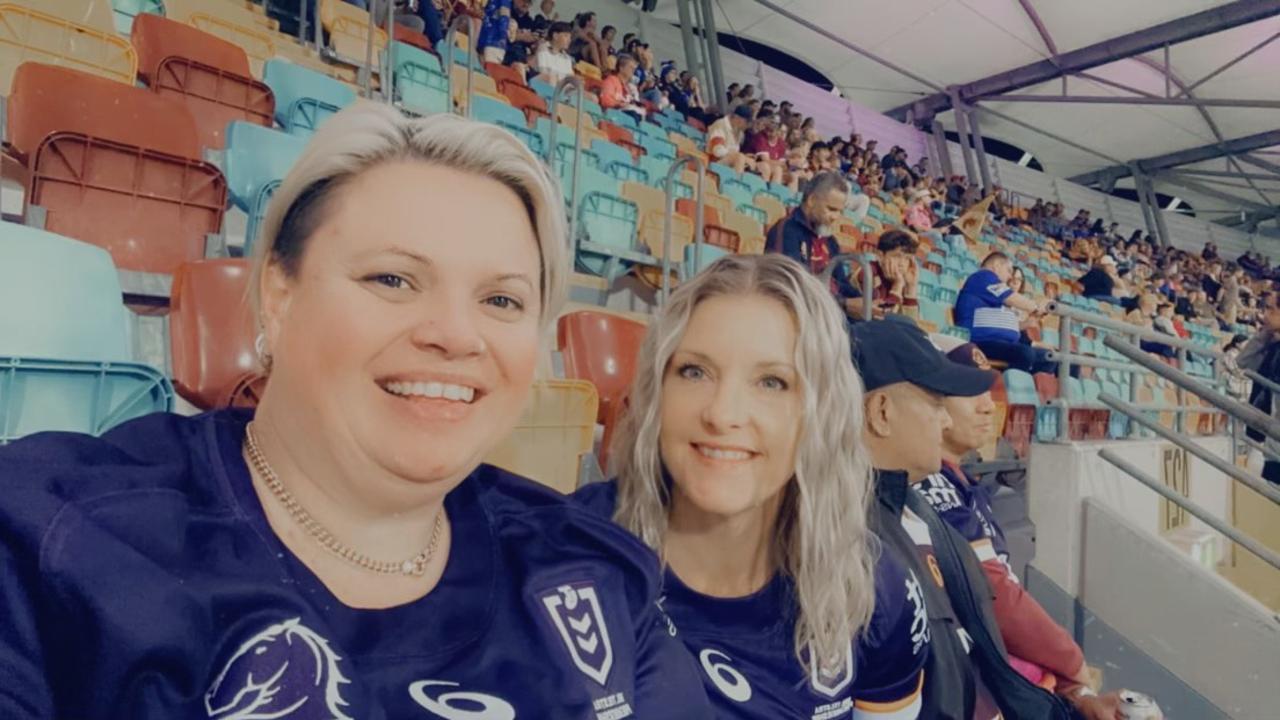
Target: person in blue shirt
497, 31
987, 306
342, 553
740, 461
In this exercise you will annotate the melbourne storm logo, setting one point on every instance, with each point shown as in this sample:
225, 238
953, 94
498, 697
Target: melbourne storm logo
575, 611
285, 671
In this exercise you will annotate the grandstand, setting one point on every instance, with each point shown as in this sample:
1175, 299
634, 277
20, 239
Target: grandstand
143, 140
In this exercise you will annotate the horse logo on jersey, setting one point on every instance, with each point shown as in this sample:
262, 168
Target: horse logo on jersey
575, 611
285, 671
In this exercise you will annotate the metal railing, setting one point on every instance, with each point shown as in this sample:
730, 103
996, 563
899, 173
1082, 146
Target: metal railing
450, 46
575, 83
669, 216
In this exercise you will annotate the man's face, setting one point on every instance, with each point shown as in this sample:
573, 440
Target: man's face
626, 70
548, 7
972, 419
908, 422
522, 6
823, 210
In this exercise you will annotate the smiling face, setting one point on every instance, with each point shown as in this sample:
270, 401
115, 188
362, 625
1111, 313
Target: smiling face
404, 343
731, 406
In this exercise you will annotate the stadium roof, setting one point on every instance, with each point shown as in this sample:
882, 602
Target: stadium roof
1217, 89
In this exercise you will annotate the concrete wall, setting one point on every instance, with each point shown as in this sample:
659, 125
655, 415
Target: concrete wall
1212, 636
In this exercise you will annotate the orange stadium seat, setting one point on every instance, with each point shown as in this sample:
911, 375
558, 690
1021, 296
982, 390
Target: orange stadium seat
412, 37
601, 347
211, 335
115, 166
622, 136
503, 73
526, 99
207, 73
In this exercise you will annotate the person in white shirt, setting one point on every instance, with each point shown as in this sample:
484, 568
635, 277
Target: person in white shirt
553, 61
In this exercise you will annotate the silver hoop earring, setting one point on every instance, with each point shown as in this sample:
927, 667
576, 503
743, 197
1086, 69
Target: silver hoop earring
260, 347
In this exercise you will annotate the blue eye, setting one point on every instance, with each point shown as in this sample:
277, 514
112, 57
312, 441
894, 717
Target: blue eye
689, 371
773, 382
390, 280
505, 302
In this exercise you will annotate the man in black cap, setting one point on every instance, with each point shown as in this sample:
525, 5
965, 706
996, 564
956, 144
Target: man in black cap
907, 380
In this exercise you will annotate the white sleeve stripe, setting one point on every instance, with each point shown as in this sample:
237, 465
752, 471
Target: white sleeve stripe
910, 712
984, 550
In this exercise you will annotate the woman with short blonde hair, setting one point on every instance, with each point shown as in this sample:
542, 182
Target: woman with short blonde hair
740, 461
342, 552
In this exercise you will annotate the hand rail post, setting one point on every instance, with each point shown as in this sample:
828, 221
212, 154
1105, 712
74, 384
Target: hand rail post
388, 68
868, 291
1064, 373
1266, 554
1180, 419
570, 81
1133, 393
450, 46
669, 217
366, 72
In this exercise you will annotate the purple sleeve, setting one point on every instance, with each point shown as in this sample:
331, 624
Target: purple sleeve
668, 682
892, 651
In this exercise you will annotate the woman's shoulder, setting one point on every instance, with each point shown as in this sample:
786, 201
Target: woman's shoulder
899, 603
544, 528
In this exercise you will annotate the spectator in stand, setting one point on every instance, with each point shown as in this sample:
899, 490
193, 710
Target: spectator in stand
1144, 316
553, 63
619, 93
895, 275
798, 171
586, 46
724, 139
1210, 251
744, 96
918, 217
1262, 355
987, 307
404, 15
607, 34
496, 31
1100, 282
530, 32
691, 97
1036, 644
768, 147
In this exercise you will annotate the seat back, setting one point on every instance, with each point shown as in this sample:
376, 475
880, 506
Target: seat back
64, 357
206, 72
305, 98
652, 238
420, 81
409, 36
51, 31
601, 348
211, 334
230, 21
256, 162
348, 28
502, 73
125, 10
555, 431
526, 99
496, 112
689, 208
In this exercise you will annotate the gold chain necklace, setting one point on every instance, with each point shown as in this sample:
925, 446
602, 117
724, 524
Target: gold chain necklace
415, 566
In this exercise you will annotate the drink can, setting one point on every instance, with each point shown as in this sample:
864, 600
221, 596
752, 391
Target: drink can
1136, 706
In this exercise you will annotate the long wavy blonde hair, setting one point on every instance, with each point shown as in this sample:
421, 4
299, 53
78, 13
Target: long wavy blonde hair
822, 541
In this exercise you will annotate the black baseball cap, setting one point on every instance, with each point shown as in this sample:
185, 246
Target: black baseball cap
896, 350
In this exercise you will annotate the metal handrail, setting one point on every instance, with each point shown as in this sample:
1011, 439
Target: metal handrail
1266, 554
318, 30
699, 201
388, 76
1260, 380
868, 280
1258, 485
1247, 413
570, 81
1102, 321
449, 42
366, 72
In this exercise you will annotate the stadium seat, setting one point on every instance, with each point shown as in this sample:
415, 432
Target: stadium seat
652, 238
419, 80
409, 36
606, 219
212, 333
709, 254
348, 28
61, 32
601, 348
556, 430
772, 206
305, 98
496, 112
611, 155
208, 74
533, 106
621, 118
739, 192
658, 147
256, 161
125, 10
586, 69
230, 21
115, 166
646, 197
1024, 404
623, 138
752, 211
64, 346
502, 73
749, 230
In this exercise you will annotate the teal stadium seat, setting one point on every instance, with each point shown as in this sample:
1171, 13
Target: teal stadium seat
710, 253
754, 212
621, 119
543, 89
609, 154
420, 82
256, 161
606, 219
64, 346
126, 10
503, 115
755, 182
657, 147
304, 97
737, 191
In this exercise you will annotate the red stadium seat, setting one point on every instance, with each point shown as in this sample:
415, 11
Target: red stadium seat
601, 347
623, 137
502, 73
525, 99
713, 233
207, 73
115, 166
409, 36
211, 335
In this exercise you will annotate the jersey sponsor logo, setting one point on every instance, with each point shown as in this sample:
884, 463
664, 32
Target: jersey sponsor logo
286, 671
830, 681
575, 612
940, 493
433, 695
731, 683
919, 615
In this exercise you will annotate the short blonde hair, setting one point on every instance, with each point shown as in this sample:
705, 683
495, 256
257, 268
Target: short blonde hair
368, 134
821, 539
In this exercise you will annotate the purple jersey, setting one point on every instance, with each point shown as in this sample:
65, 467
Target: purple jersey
967, 508
746, 647
142, 581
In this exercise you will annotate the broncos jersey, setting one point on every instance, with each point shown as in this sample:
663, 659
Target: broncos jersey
142, 581
745, 647
966, 507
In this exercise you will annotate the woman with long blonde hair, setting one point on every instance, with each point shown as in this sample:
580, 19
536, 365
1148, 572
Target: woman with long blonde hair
740, 461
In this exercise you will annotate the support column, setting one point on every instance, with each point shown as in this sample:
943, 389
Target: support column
975, 134
962, 129
1163, 234
686, 35
704, 66
941, 148
712, 38
1148, 218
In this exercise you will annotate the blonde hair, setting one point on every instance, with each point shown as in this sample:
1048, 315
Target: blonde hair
368, 134
821, 541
